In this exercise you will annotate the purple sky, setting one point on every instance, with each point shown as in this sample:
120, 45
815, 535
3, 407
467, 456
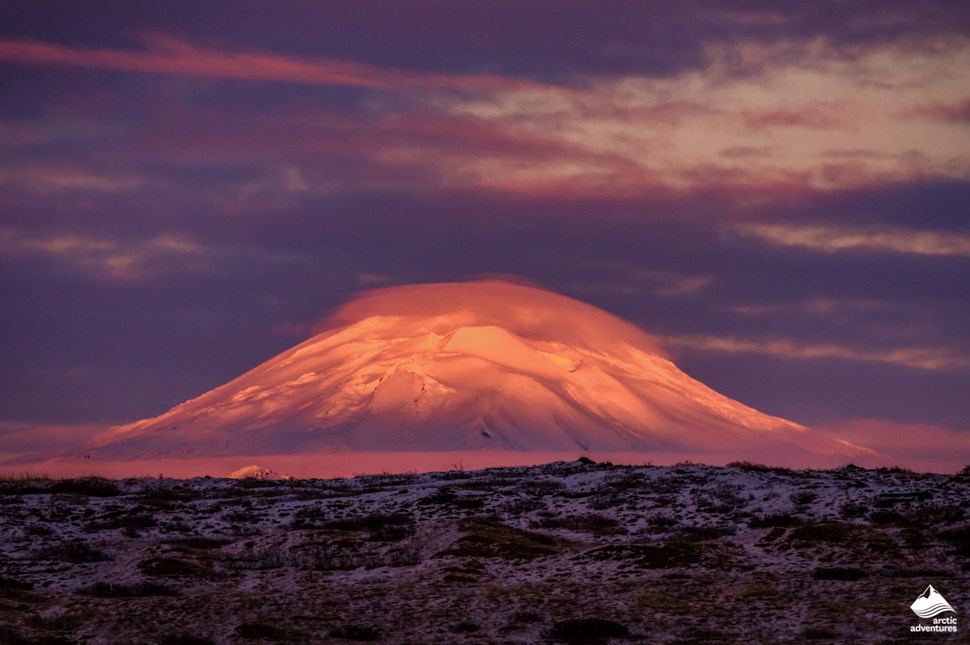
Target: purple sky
781, 195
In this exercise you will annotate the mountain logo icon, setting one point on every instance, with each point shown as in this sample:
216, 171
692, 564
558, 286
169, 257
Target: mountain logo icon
930, 603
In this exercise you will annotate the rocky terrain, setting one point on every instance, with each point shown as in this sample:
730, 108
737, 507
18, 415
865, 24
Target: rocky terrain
568, 552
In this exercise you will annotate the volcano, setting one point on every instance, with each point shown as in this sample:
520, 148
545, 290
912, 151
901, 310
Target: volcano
466, 367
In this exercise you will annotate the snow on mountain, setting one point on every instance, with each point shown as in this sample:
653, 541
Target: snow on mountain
257, 472
465, 366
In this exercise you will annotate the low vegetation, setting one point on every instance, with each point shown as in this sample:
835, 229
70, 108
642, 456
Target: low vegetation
579, 552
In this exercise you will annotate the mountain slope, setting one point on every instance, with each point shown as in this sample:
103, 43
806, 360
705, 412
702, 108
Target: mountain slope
463, 366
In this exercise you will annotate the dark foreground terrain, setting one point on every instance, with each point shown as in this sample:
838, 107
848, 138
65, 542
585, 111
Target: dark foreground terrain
568, 552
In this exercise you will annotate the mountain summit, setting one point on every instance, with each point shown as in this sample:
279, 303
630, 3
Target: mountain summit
465, 366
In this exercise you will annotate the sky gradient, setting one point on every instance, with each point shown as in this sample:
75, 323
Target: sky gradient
779, 193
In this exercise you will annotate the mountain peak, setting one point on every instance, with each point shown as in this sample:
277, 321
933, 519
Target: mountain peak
464, 366
257, 472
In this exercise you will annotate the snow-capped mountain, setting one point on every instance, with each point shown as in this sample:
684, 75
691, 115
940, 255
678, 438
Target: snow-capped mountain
464, 366
261, 473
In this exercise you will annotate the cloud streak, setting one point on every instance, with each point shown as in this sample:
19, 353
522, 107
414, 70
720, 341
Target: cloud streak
164, 54
108, 258
924, 358
831, 239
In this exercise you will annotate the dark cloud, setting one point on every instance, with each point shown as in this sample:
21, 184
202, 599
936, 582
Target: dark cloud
543, 39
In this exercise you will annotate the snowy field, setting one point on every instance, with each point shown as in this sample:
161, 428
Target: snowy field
567, 552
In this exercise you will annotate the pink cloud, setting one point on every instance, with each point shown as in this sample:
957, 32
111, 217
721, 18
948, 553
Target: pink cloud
24, 442
167, 55
958, 112
290, 329
806, 118
919, 446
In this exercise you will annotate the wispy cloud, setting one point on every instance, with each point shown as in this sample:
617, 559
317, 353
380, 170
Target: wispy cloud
754, 120
926, 358
957, 112
56, 178
163, 54
756, 117
107, 258
833, 239
811, 117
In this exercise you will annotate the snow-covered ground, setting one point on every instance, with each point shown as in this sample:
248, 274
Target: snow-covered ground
561, 552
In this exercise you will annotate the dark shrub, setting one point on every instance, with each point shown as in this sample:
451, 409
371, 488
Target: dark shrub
199, 543
886, 517
90, 486
464, 627
119, 590
259, 631
960, 538
916, 573
357, 633
447, 497
662, 522
894, 470
850, 510
162, 496
13, 585
672, 554
589, 523
937, 514
24, 485
10, 636
823, 532
392, 533
185, 639
803, 497
697, 634
754, 467
131, 523
174, 567
704, 533
773, 520
487, 538
749, 466
839, 573
819, 634
586, 630
541, 487
368, 522
73, 552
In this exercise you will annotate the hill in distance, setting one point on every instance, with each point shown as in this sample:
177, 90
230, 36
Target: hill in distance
492, 372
